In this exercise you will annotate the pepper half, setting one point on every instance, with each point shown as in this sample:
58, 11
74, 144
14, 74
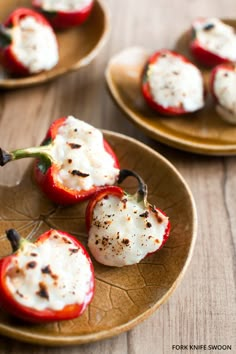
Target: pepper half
222, 86
38, 283
12, 59
56, 170
206, 54
123, 229
171, 86
61, 18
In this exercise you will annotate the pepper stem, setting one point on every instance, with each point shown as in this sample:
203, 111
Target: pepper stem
14, 238
142, 187
42, 151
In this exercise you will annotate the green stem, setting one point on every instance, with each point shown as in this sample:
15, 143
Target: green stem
43, 151
14, 238
142, 187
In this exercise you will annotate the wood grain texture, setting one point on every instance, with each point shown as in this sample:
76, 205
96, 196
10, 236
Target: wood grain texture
202, 310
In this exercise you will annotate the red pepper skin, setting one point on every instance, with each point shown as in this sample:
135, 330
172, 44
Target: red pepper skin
54, 190
46, 169
167, 111
7, 57
228, 67
118, 192
44, 316
65, 19
99, 195
202, 55
225, 113
205, 57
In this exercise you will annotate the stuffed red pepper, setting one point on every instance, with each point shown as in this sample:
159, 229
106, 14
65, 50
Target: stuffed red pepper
38, 283
172, 85
73, 162
123, 229
65, 13
223, 83
212, 42
28, 44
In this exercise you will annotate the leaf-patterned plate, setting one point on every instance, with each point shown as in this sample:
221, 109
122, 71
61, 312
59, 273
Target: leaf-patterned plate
77, 46
123, 296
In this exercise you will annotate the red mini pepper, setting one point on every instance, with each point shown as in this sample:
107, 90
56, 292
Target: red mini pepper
124, 228
47, 169
38, 283
225, 96
204, 55
8, 57
146, 90
61, 19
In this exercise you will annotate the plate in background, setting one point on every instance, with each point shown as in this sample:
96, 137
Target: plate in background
77, 46
201, 132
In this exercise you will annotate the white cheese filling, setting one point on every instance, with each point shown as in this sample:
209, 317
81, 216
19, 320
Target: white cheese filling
123, 232
224, 89
217, 37
175, 83
34, 45
79, 151
50, 275
65, 5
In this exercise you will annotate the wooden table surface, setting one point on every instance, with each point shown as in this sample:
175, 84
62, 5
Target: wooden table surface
202, 310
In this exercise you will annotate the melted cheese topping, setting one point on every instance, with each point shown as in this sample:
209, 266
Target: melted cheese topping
224, 90
35, 45
42, 276
65, 5
217, 37
123, 232
174, 83
84, 161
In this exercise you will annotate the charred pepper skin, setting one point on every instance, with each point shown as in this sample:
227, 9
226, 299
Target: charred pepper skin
7, 57
29, 314
64, 19
120, 193
146, 91
46, 170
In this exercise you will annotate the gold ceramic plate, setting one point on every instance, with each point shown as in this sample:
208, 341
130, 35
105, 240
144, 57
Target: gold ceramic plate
77, 46
201, 132
123, 296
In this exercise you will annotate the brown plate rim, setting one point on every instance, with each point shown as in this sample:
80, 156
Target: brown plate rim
12, 83
95, 336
